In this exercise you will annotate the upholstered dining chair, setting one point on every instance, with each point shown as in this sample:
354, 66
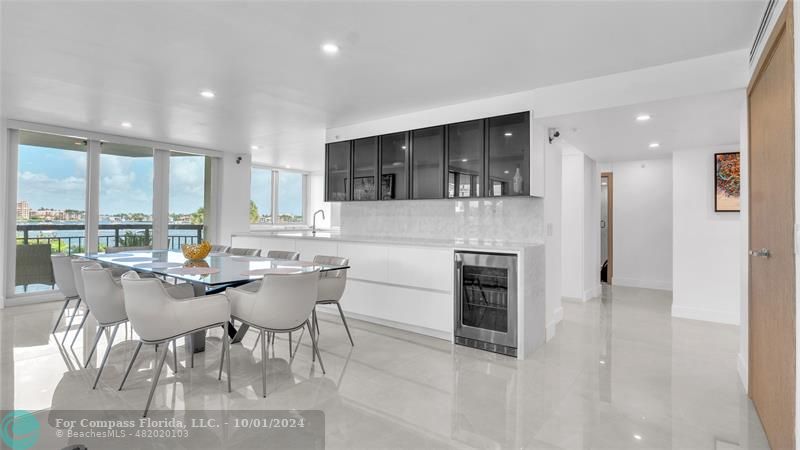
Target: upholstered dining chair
244, 251
282, 304
282, 254
159, 317
331, 288
217, 248
65, 280
77, 265
104, 296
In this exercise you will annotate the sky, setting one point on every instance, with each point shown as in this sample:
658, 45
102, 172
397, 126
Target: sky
56, 178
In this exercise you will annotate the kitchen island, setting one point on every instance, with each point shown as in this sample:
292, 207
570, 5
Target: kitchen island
408, 283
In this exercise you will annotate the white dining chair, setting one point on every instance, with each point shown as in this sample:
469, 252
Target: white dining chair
65, 280
285, 255
282, 304
77, 265
159, 317
104, 296
331, 288
218, 248
244, 251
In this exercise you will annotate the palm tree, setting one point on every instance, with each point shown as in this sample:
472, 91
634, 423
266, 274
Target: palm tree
254, 216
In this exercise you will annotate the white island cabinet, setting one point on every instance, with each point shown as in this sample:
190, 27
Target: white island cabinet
408, 284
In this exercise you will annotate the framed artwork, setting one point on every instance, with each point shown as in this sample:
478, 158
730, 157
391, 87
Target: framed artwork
727, 187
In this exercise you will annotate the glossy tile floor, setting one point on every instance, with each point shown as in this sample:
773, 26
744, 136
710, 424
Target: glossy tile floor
620, 373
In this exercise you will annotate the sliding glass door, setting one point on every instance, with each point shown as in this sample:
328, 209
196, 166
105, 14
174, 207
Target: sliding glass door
51, 198
126, 196
86, 194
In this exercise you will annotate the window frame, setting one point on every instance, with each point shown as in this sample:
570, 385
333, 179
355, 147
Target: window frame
275, 223
11, 130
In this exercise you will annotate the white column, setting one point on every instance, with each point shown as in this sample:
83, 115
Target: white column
160, 198
12, 153
212, 200
92, 217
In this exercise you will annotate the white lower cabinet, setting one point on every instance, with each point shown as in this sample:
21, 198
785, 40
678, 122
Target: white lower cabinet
401, 286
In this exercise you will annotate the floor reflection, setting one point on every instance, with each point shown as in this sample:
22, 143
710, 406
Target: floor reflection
620, 373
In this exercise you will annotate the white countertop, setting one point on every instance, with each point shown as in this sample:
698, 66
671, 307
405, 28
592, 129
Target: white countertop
456, 243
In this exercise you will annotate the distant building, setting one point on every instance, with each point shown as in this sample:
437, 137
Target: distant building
23, 210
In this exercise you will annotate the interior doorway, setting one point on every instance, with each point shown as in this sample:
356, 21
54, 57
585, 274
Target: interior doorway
606, 227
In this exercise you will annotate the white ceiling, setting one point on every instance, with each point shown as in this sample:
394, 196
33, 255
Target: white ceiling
614, 134
93, 65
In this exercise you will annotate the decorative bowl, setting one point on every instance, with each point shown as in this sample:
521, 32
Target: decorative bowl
196, 251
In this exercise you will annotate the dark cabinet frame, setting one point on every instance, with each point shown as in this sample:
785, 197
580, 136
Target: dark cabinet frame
408, 175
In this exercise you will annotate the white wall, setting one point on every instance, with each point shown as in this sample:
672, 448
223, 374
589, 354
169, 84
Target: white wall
642, 215
706, 257
552, 237
580, 226
234, 196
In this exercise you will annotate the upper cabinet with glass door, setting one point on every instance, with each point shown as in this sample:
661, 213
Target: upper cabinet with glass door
479, 158
394, 166
465, 159
508, 155
337, 172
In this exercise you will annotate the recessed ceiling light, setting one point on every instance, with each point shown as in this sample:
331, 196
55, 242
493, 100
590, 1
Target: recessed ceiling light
643, 117
397, 164
253, 147
637, 437
207, 94
288, 166
654, 145
79, 143
126, 124
403, 147
508, 133
464, 160
330, 48
505, 171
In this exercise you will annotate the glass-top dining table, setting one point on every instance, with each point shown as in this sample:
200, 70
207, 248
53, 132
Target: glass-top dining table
210, 275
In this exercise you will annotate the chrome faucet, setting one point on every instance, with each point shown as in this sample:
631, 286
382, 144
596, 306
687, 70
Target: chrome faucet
314, 221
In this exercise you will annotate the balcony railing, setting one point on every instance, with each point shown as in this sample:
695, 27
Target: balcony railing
62, 238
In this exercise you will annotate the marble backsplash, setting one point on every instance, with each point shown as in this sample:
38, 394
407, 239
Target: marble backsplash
518, 219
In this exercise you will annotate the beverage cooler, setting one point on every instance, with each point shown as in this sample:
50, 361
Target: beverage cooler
486, 301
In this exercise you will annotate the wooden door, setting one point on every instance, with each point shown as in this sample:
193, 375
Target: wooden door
772, 275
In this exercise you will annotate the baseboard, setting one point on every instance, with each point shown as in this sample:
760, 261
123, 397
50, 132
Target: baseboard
707, 315
647, 284
741, 367
558, 316
23, 300
446, 335
592, 293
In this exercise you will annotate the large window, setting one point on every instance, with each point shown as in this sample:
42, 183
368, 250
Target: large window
51, 199
290, 198
88, 193
126, 196
188, 198
276, 191
261, 196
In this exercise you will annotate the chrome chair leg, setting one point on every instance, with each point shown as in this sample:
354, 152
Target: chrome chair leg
258, 338
80, 327
264, 363
130, 365
61, 315
94, 346
156, 374
174, 356
221, 357
316, 321
316, 349
105, 356
71, 319
228, 362
290, 344
344, 321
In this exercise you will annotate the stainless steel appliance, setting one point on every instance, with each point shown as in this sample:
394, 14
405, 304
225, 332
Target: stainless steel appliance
486, 301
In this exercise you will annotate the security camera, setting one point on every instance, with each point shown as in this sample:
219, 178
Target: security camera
238, 160
553, 134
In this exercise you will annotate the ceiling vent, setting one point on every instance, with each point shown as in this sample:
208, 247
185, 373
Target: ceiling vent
762, 29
